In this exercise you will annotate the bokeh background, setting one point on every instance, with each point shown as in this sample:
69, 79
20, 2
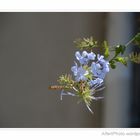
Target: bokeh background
35, 48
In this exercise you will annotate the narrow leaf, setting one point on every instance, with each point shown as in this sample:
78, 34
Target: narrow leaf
106, 49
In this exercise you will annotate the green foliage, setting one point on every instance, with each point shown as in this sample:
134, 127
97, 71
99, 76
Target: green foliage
106, 49
86, 96
112, 64
89, 76
120, 49
82, 88
84, 92
136, 39
122, 60
135, 57
86, 43
66, 80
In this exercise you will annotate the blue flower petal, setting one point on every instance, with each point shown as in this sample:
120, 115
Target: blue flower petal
91, 56
78, 55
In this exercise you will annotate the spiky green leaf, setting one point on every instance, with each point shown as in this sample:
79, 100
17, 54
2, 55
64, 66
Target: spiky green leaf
85, 43
65, 79
135, 57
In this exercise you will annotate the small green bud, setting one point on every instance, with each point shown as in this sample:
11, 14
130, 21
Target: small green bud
120, 49
112, 64
121, 60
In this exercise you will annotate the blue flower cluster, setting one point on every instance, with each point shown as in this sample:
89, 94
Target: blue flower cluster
92, 71
90, 65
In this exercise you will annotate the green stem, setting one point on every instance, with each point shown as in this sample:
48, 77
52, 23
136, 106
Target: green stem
113, 58
129, 42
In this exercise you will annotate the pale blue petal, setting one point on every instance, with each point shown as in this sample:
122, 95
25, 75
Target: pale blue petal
78, 55
100, 57
91, 56
74, 70
84, 54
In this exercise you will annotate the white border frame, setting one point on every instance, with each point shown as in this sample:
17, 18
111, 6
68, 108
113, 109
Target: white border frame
70, 5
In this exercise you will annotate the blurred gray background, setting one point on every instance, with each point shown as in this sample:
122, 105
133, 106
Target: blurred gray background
35, 48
